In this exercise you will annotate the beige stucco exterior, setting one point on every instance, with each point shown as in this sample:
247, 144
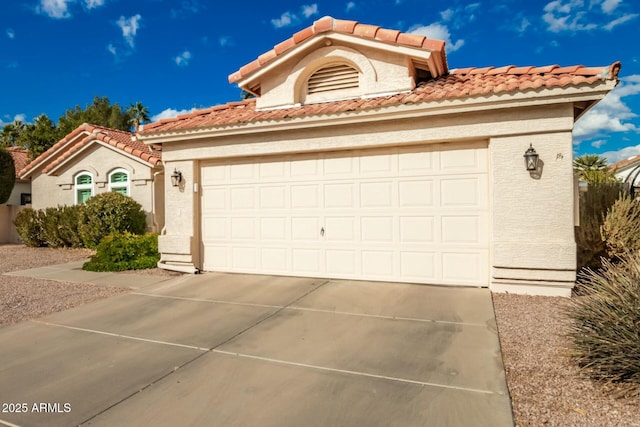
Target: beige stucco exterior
56, 188
532, 214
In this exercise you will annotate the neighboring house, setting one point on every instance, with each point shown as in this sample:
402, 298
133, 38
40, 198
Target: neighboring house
92, 160
628, 171
364, 157
20, 197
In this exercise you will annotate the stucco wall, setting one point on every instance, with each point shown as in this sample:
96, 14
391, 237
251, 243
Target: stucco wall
57, 188
8, 233
18, 189
532, 242
380, 72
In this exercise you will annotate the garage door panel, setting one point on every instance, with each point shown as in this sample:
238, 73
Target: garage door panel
460, 229
377, 264
243, 198
340, 195
305, 229
416, 229
305, 196
306, 261
215, 228
341, 263
273, 197
419, 266
377, 229
273, 228
340, 228
274, 260
414, 214
415, 193
376, 195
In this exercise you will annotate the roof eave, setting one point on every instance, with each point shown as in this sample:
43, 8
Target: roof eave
559, 95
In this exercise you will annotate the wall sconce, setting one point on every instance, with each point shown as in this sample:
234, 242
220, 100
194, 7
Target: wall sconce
531, 158
176, 178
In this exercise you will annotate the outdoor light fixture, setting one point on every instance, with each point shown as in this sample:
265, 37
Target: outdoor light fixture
176, 178
531, 158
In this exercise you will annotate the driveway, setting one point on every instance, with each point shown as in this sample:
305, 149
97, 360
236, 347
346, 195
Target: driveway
245, 350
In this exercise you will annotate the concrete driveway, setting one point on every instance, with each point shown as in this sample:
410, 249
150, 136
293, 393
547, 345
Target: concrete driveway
242, 350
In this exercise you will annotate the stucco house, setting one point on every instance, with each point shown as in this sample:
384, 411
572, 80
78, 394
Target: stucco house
628, 171
20, 197
363, 156
92, 160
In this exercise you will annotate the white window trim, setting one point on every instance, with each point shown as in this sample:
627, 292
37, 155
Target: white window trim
77, 186
127, 184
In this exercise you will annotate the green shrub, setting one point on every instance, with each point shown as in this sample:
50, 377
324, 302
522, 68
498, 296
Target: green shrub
7, 175
621, 228
594, 204
606, 324
125, 251
28, 224
60, 227
109, 213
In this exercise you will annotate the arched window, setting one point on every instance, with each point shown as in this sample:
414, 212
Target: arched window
83, 187
119, 181
333, 77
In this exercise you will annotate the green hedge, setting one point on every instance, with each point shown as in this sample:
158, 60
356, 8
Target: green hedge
29, 225
125, 251
109, 213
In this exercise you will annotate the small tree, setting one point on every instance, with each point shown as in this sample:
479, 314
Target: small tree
7, 175
593, 169
139, 114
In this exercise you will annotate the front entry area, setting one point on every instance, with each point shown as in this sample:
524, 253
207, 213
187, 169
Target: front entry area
417, 214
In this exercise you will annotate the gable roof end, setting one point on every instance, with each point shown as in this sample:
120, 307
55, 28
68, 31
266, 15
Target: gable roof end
70, 144
351, 28
20, 158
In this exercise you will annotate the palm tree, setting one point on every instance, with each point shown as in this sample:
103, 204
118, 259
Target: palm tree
138, 114
593, 169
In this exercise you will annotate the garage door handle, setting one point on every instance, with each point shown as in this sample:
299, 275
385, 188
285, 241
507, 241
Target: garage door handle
322, 231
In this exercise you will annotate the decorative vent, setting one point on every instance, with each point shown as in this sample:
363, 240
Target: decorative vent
333, 77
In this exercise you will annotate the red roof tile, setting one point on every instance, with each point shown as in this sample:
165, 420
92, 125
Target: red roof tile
20, 158
328, 24
119, 139
624, 163
460, 83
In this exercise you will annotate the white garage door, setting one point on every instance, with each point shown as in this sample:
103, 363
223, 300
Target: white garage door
414, 214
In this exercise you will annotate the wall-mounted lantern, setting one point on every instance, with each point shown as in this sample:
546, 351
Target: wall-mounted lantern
531, 158
176, 178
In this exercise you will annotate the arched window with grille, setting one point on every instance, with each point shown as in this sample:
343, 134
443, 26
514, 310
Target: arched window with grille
119, 181
83, 187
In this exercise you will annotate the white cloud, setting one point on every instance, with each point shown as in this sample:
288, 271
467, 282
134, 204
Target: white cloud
19, 117
285, 20
112, 49
92, 4
524, 24
225, 41
350, 6
598, 143
310, 10
622, 154
170, 113
608, 6
439, 32
57, 9
611, 114
11, 34
446, 15
624, 18
129, 27
289, 18
183, 59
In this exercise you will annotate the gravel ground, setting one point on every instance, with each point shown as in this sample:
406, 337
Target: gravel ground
546, 388
24, 298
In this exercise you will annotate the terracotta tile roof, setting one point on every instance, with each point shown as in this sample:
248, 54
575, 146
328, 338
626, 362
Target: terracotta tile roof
20, 158
624, 163
122, 140
459, 84
329, 24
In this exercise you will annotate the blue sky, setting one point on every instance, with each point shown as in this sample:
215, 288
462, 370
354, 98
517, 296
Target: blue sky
175, 55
